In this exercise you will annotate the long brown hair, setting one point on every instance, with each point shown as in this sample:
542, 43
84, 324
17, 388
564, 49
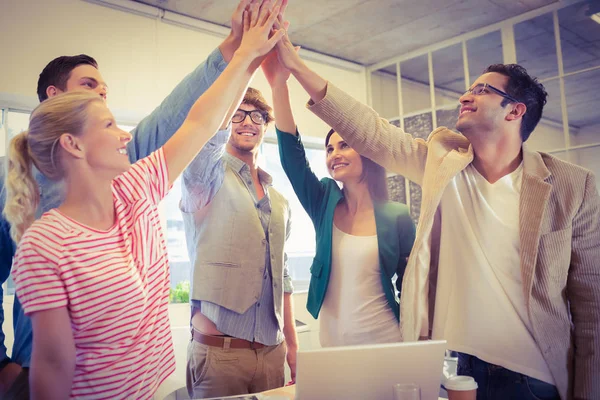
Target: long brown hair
372, 173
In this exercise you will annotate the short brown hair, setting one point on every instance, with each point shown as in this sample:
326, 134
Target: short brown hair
254, 97
58, 71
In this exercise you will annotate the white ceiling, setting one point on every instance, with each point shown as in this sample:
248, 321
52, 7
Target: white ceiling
369, 31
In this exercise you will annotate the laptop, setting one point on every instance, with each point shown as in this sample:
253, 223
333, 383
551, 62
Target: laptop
368, 372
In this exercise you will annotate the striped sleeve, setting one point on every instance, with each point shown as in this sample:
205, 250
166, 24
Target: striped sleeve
36, 272
148, 178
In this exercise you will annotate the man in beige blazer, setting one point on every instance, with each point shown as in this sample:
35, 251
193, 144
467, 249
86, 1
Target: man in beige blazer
506, 261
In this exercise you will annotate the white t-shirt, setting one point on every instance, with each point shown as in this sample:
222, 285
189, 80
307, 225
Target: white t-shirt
355, 309
480, 303
114, 284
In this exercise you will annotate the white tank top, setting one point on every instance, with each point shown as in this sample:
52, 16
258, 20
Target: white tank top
355, 309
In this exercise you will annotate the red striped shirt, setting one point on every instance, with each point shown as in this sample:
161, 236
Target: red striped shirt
114, 283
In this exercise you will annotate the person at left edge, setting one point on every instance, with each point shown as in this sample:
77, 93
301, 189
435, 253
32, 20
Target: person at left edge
81, 72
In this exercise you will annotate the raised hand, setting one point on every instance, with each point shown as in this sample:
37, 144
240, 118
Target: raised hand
274, 71
233, 40
259, 37
237, 20
286, 52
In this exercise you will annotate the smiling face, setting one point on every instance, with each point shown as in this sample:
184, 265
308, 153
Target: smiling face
246, 136
484, 112
102, 145
343, 162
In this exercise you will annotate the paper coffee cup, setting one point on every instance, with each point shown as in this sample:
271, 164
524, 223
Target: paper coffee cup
461, 387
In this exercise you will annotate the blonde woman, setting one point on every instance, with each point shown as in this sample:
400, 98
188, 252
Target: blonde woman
93, 273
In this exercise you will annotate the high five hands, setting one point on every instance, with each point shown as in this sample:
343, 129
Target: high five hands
259, 36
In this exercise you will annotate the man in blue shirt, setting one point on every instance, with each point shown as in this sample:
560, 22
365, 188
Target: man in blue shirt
68, 73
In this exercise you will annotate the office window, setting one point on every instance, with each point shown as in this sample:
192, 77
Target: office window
16, 122
176, 245
300, 247
536, 46
569, 128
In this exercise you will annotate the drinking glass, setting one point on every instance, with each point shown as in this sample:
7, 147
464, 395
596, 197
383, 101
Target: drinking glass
407, 391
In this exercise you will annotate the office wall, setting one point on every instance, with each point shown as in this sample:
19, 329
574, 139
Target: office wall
140, 58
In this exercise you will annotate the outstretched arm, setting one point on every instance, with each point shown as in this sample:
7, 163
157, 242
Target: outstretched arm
360, 126
209, 111
158, 127
277, 75
309, 190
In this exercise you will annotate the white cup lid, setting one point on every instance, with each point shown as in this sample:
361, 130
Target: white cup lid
460, 382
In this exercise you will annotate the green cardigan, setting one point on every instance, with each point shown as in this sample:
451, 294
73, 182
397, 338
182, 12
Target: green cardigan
395, 228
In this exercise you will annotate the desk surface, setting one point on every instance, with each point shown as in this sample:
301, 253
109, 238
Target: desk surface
287, 392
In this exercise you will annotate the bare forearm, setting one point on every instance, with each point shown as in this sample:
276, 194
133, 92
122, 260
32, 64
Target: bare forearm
289, 322
284, 118
206, 116
229, 46
49, 380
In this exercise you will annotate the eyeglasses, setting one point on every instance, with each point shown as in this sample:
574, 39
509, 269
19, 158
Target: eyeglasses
258, 117
482, 88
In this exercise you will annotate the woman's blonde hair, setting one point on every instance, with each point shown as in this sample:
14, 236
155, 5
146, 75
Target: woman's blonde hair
39, 146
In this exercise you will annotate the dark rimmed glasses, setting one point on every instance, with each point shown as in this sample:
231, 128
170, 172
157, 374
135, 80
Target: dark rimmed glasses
484, 88
257, 116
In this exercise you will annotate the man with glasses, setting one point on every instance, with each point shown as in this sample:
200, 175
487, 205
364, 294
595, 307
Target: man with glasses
505, 264
236, 226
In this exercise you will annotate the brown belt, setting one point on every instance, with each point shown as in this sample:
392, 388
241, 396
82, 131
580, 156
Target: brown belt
222, 341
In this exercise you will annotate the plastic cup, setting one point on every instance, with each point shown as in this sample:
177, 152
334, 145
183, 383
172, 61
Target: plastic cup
460, 387
407, 391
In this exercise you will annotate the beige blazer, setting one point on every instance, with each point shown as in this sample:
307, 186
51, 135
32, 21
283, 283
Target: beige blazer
559, 228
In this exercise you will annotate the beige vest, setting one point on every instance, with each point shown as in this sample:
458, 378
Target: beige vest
227, 245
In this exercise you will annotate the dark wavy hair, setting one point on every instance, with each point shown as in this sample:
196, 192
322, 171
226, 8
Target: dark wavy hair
373, 173
58, 72
527, 90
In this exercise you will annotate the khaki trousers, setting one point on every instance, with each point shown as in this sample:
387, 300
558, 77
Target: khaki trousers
215, 371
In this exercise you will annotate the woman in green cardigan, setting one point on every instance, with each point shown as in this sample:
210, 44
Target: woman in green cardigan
363, 239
